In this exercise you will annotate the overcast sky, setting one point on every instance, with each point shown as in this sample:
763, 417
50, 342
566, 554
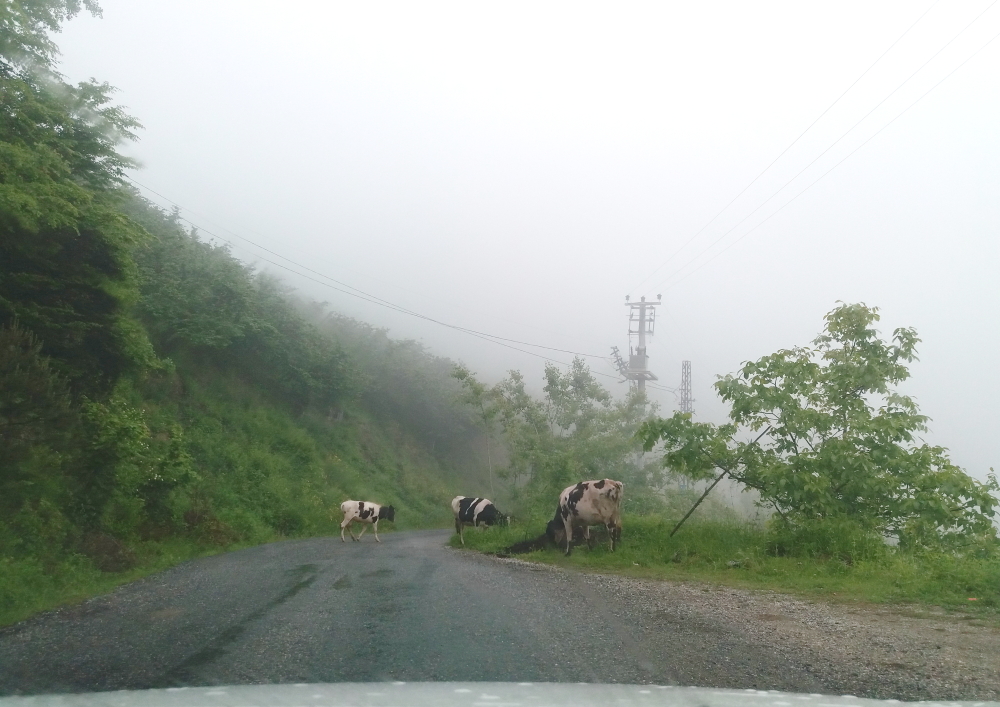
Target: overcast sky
518, 168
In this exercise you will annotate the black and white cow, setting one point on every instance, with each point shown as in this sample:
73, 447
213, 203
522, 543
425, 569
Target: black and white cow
585, 504
474, 512
366, 513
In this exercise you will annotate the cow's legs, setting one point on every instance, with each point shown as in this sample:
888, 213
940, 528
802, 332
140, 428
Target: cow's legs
344, 524
375, 530
568, 524
615, 531
459, 527
586, 536
364, 527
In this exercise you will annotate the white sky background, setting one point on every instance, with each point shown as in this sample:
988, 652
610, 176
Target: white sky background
518, 168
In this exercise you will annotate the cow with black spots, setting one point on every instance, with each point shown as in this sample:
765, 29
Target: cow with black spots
585, 504
366, 513
475, 512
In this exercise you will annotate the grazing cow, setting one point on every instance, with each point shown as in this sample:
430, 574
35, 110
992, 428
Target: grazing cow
585, 504
366, 513
474, 512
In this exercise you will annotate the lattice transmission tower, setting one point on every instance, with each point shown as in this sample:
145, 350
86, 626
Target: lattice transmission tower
641, 322
687, 402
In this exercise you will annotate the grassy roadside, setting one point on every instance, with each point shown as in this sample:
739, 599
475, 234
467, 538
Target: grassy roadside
30, 585
734, 554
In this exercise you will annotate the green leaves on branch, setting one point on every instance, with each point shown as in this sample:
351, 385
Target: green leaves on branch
65, 246
696, 449
835, 439
577, 431
25, 26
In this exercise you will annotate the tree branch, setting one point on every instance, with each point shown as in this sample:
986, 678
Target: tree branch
725, 471
698, 502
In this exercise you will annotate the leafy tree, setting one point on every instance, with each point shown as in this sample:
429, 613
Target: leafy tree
193, 295
578, 431
197, 299
833, 439
402, 382
66, 273
25, 26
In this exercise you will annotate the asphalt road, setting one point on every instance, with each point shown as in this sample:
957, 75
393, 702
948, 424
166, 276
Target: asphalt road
409, 609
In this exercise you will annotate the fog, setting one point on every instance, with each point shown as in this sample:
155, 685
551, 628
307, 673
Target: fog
518, 168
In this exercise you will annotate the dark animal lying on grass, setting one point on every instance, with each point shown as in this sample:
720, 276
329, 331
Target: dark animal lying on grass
542, 542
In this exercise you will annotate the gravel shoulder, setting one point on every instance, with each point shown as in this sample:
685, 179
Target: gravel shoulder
889, 652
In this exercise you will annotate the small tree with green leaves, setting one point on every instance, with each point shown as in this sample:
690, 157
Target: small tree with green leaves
830, 439
577, 431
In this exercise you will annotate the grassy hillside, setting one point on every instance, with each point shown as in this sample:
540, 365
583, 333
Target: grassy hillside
160, 399
263, 474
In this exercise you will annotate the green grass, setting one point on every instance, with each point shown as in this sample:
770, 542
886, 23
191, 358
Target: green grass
30, 585
704, 550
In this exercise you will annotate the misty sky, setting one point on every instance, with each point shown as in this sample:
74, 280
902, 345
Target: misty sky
518, 168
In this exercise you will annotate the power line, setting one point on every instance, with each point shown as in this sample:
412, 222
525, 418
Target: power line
836, 142
662, 387
373, 299
361, 293
237, 235
844, 159
782, 154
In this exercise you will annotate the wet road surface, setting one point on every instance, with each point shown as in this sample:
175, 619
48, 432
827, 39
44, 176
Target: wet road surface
410, 609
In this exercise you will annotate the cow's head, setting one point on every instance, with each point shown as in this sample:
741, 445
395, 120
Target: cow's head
387, 513
556, 531
491, 516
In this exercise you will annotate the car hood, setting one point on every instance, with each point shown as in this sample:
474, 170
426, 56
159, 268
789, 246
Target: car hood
446, 694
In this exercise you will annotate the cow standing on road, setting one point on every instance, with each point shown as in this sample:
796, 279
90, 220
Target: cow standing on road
585, 504
474, 512
366, 513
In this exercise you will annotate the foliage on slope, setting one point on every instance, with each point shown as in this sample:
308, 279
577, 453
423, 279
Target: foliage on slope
158, 398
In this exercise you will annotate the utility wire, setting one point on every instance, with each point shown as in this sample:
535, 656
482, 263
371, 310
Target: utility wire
782, 154
844, 159
360, 294
836, 142
377, 300
237, 235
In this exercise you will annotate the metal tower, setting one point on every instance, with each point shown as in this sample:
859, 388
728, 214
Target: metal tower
687, 402
641, 321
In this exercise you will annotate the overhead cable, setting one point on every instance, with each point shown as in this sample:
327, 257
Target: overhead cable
837, 141
360, 294
844, 159
782, 154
